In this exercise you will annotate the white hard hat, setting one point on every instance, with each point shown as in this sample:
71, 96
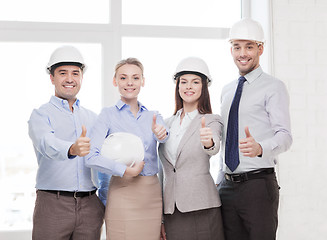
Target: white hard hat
247, 29
193, 65
66, 54
123, 147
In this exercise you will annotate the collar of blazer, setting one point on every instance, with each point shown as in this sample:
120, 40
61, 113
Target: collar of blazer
192, 129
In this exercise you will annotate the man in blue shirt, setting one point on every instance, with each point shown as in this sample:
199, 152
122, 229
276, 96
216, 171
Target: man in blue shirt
255, 111
66, 206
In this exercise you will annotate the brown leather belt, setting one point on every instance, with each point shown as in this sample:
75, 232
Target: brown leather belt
242, 177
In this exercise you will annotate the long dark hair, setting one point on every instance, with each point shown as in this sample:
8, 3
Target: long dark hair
204, 105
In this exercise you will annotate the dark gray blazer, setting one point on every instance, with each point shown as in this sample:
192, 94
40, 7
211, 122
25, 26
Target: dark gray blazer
189, 184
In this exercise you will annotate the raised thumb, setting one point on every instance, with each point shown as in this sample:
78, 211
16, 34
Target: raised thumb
203, 122
247, 132
83, 131
154, 120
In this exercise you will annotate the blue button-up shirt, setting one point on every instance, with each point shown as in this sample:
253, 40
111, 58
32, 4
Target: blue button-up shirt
119, 118
53, 128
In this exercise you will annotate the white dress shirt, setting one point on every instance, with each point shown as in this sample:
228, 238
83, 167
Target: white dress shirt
264, 108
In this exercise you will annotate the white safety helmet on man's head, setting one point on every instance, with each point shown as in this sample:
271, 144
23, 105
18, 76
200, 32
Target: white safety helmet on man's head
247, 29
66, 55
193, 65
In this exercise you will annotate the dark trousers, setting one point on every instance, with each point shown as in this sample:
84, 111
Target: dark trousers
249, 209
66, 218
203, 224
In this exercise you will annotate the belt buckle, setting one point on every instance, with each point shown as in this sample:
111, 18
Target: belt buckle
75, 195
238, 178
233, 178
229, 177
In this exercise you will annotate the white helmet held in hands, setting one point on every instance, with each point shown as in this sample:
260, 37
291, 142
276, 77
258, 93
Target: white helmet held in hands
66, 55
123, 147
193, 65
247, 29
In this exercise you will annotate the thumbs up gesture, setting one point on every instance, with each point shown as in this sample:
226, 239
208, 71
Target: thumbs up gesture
81, 147
205, 134
158, 129
248, 146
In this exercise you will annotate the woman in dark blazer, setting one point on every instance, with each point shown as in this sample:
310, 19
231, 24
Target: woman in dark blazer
191, 201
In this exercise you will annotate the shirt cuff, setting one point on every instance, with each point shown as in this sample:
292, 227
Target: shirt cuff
211, 148
120, 169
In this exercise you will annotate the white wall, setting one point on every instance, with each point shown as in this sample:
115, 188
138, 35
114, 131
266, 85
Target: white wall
300, 60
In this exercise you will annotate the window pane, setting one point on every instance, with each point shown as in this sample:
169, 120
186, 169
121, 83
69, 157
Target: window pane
25, 85
204, 13
72, 11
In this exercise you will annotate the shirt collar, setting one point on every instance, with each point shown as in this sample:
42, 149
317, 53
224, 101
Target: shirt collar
120, 105
63, 103
253, 75
190, 115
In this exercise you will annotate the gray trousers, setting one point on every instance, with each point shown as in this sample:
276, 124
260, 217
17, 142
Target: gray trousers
249, 209
203, 224
65, 218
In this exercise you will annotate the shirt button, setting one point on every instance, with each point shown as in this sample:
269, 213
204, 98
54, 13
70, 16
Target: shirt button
174, 170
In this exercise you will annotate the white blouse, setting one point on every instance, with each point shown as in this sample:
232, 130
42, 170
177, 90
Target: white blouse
177, 131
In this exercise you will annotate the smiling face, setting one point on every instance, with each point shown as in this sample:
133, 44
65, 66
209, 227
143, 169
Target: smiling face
190, 88
246, 55
129, 80
67, 80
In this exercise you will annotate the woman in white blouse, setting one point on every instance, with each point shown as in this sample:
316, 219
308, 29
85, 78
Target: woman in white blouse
191, 201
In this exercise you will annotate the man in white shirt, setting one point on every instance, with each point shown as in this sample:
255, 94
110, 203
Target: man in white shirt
255, 112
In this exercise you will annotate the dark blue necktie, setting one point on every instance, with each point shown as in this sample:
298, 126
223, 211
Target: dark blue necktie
232, 159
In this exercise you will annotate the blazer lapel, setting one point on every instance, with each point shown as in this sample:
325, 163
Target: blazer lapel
194, 126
